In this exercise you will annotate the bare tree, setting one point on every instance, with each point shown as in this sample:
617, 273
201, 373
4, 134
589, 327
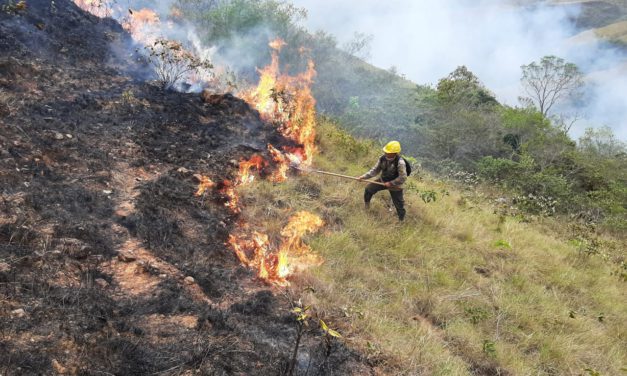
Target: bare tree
549, 81
601, 141
565, 122
360, 45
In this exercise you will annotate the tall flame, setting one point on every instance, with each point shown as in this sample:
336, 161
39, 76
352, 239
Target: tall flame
283, 100
287, 101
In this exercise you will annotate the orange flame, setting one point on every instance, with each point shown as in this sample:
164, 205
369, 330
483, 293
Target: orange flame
228, 189
280, 174
287, 101
257, 162
275, 267
204, 184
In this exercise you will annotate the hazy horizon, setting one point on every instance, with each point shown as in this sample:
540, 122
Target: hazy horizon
427, 40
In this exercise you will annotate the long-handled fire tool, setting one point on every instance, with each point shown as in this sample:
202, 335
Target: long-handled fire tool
341, 176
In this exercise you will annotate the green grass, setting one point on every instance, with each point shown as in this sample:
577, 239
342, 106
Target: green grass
455, 289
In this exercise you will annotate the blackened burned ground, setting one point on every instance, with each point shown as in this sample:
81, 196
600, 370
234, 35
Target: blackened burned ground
95, 167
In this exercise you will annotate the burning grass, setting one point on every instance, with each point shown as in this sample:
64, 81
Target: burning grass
109, 262
292, 112
455, 289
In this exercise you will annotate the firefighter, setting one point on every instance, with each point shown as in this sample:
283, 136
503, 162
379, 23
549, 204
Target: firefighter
393, 170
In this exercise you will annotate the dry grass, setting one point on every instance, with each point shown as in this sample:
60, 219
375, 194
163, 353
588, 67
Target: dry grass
616, 32
455, 289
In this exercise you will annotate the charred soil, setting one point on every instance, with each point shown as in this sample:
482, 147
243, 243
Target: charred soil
108, 262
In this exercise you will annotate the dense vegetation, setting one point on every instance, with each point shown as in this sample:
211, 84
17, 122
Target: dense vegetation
456, 128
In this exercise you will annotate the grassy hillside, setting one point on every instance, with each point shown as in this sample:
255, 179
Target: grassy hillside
606, 19
460, 287
616, 32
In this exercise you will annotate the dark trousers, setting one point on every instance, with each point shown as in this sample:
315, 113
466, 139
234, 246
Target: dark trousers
397, 198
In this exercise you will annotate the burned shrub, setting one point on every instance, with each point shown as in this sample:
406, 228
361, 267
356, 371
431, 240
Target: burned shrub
172, 62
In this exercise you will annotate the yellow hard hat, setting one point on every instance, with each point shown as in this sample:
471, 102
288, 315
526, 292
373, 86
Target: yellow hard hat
392, 147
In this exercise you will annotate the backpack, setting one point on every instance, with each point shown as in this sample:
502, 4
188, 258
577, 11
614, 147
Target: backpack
407, 164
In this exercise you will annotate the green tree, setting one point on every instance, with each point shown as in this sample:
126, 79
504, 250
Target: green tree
463, 87
461, 123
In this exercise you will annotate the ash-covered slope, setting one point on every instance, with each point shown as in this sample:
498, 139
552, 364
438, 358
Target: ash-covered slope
108, 263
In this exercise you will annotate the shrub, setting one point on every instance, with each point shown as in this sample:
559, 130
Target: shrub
496, 169
172, 62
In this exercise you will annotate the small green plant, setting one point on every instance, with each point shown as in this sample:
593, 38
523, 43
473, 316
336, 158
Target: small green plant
476, 314
489, 348
351, 147
428, 196
503, 244
592, 372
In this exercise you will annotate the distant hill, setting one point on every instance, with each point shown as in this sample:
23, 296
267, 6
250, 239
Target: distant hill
605, 19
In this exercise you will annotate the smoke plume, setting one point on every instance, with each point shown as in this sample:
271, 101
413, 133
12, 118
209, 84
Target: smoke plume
426, 40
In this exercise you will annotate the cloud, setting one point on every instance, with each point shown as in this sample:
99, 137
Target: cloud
426, 40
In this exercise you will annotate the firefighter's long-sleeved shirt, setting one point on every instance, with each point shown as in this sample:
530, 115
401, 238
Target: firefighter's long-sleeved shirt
388, 171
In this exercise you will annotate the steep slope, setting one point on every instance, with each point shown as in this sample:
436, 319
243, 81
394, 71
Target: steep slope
467, 285
108, 261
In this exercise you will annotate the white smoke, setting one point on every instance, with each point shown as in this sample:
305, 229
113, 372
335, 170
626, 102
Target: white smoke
240, 57
426, 40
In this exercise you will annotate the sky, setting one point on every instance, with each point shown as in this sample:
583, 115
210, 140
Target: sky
427, 39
